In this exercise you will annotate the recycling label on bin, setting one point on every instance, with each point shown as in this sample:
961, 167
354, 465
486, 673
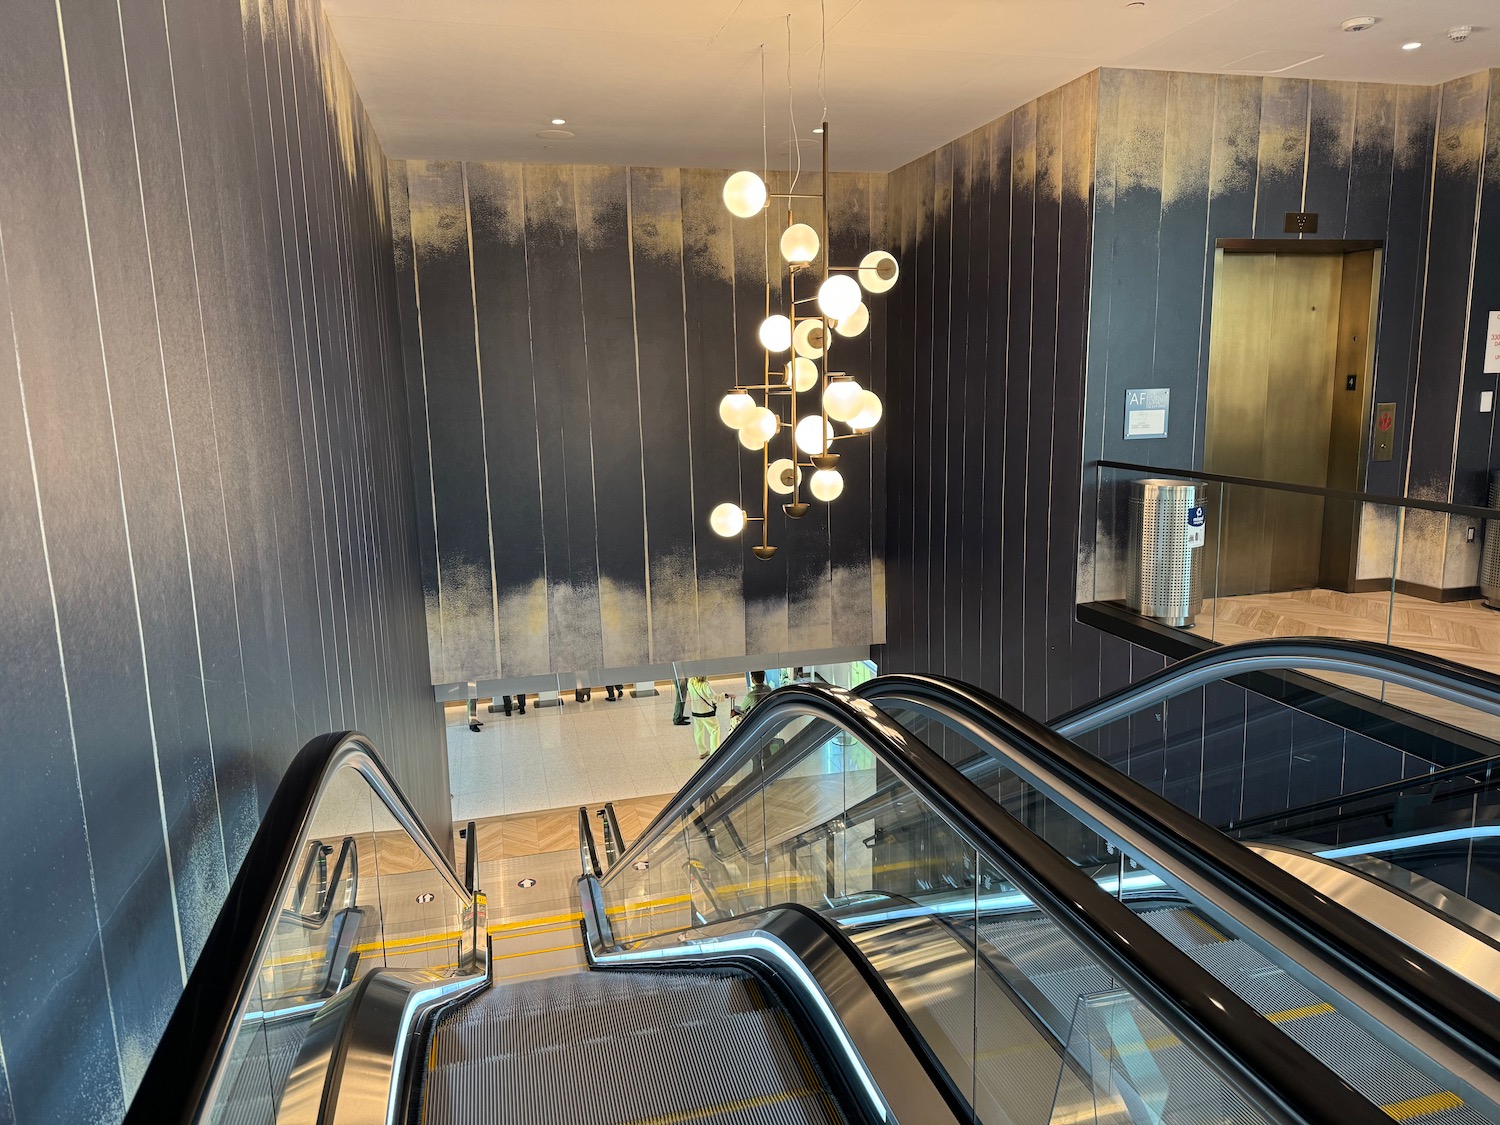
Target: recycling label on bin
1197, 517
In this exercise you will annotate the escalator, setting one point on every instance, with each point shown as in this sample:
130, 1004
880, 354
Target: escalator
830, 923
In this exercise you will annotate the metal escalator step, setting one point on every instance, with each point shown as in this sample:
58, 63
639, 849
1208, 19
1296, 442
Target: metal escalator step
637, 1048
1351, 1052
1184, 928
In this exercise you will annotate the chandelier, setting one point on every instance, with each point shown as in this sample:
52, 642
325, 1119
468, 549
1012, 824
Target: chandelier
799, 346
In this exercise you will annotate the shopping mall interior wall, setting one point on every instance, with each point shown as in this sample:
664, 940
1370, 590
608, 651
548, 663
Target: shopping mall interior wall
206, 518
569, 332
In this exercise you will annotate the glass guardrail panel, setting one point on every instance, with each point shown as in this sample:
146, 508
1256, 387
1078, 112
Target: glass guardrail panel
363, 895
1123, 1066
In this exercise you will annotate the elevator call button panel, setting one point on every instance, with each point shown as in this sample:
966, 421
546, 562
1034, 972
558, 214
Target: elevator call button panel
1385, 431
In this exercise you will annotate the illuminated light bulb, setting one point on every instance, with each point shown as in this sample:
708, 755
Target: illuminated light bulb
869, 412
826, 484
799, 244
775, 333
843, 399
809, 338
727, 519
744, 194
752, 439
735, 409
838, 297
763, 422
878, 271
855, 323
813, 435
801, 374
782, 475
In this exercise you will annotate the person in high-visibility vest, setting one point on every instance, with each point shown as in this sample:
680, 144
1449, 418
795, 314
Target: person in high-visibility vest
704, 705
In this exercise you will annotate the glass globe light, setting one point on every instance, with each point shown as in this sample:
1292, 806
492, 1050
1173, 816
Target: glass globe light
735, 409
775, 333
878, 271
838, 297
801, 374
826, 484
808, 340
855, 323
744, 194
752, 439
813, 435
782, 475
764, 422
727, 519
843, 399
799, 244
869, 412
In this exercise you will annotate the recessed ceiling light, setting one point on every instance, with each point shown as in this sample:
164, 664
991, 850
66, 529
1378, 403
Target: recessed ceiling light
1410, 46
818, 130
559, 121
555, 135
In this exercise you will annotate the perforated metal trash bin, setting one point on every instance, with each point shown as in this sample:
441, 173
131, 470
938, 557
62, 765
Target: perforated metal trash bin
1489, 561
1167, 519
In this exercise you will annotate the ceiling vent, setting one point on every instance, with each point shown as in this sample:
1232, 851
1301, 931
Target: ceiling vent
1460, 33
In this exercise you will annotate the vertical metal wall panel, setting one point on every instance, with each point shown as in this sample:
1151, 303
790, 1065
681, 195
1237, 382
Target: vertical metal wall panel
928, 193
466, 593
497, 217
565, 413
672, 518
1282, 163
850, 526
615, 404
1332, 109
1017, 404
1041, 400
975, 297
944, 507
997, 358
708, 329
959, 371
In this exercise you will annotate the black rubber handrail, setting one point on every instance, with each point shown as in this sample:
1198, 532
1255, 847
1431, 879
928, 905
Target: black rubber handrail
587, 853
1457, 683
1464, 1018
202, 1026
1269, 1069
1384, 789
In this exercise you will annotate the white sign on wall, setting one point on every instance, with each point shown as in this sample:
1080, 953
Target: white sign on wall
1492, 346
1146, 413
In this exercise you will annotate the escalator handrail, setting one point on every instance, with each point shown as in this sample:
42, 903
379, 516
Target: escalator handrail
1264, 1065
1457, 683
183, 1072
1386, 788
1464, 1018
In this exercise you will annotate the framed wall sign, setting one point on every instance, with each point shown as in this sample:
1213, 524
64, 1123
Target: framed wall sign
1146, 413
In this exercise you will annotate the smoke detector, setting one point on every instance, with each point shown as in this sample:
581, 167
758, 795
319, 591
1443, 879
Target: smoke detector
1359, 23
1460, 33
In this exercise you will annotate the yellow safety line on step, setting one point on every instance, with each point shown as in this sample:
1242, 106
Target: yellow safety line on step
723, 1108
1424, 1106
1213, 933
1299, 1013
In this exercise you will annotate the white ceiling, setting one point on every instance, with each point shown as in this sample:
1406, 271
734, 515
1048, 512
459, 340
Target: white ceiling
678, 82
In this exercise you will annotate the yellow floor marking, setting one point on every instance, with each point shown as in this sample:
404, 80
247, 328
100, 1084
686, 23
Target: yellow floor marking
1424, 1106
1299, 1013
710, 1112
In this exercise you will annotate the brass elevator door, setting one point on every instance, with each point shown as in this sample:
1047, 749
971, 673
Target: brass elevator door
1272, 378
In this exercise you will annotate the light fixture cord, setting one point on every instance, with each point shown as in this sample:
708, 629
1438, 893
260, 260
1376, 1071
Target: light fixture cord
791, 108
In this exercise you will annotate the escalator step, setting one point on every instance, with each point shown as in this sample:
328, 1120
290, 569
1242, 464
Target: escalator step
625, 1048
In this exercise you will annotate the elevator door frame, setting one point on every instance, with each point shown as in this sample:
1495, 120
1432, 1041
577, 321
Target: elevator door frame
1340, 532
